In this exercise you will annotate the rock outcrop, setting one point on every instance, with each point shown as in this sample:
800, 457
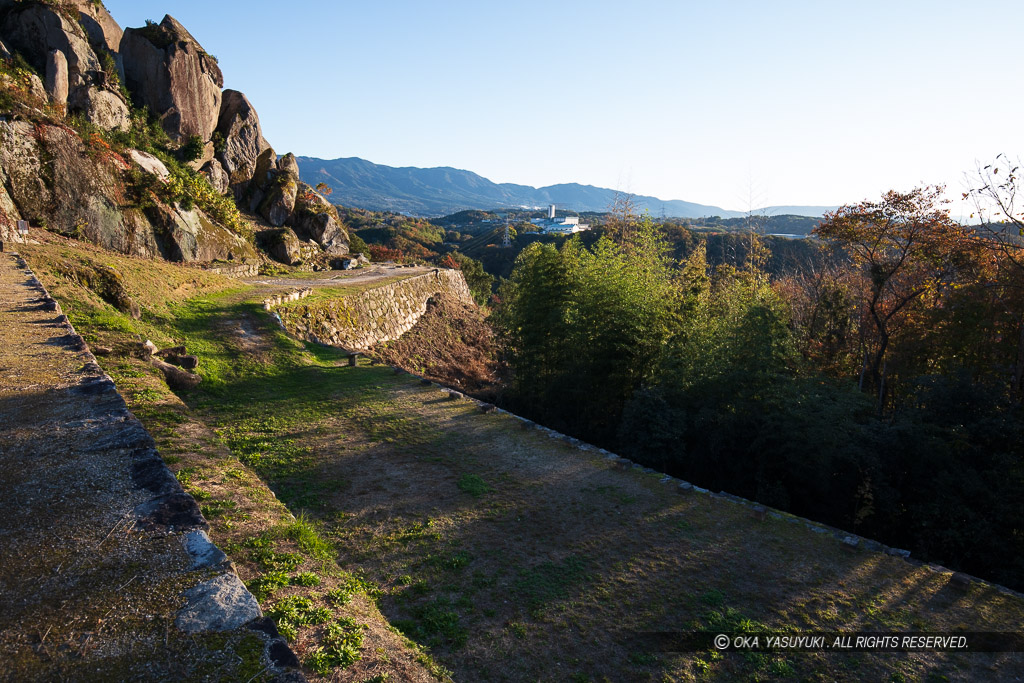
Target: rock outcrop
57, 86
243, 143
314, 218
266, 167
218, 177
102, 107
35, 30
51, 181
8, 218
100, 28
58, 46
281, 192
285, 247
90, 189
167, 70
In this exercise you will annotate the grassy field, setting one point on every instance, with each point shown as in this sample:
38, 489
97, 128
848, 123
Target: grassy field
506, 554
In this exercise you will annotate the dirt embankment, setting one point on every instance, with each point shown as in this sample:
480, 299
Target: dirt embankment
453, 344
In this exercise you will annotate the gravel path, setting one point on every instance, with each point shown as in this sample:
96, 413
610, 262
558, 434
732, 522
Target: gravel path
339, 278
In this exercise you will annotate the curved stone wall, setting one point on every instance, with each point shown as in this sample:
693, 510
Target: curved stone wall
358, 320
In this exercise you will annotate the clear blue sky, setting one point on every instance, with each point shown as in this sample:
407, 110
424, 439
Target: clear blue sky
818, 102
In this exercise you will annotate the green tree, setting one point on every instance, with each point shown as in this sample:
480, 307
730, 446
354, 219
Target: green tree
728, 366
192, 149
585, 327
479, 281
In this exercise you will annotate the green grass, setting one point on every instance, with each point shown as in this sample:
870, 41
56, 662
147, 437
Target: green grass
341, 647
296, 610
306, 534
473, 485
217, 508
434, 623
307, 579
549, 581
350, 585
266, 585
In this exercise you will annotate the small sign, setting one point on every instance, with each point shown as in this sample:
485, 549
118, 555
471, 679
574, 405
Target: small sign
23, 227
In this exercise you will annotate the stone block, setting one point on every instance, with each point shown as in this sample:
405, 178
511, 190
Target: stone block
960, 581
220, 604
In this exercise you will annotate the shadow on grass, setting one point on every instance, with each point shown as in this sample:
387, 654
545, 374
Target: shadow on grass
556, 555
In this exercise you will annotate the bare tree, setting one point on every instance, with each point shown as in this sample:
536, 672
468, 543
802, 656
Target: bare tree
993, 189
623, 219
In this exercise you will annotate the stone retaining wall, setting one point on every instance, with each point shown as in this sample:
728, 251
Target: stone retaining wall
235, 271
359, 320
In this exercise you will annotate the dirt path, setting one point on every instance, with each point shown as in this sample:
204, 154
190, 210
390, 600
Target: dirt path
95, 578
338, 278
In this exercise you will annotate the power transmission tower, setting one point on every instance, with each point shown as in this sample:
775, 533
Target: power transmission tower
506, 240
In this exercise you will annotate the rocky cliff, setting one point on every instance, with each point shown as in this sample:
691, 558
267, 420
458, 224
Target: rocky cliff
126, 139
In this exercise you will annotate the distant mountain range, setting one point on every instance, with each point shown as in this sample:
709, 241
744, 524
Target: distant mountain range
441, 191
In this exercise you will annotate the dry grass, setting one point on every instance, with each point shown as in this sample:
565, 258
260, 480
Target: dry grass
515, 556
451, 343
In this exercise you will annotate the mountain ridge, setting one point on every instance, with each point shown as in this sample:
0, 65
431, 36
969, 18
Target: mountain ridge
444, 190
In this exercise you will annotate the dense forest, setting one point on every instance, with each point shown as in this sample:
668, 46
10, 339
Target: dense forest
875, 386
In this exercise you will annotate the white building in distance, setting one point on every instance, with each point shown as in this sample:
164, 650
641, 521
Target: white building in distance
563, 226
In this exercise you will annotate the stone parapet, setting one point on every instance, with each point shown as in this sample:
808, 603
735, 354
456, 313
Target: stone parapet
361, 319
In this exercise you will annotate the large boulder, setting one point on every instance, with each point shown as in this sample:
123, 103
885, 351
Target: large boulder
191, 236
102, 107
100, 27
103, 32
57, 78
288, 164
265, 171
167, 70
243, 140
36, 30
217, 176
279, 202
150, 164
57, 45
314, 218
283, 246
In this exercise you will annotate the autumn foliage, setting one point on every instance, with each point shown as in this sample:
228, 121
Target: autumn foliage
908, 256
877, 388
